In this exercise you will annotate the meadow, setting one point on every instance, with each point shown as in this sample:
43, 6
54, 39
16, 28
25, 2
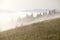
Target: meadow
46, 30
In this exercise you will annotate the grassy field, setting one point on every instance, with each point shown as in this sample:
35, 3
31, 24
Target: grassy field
46, 30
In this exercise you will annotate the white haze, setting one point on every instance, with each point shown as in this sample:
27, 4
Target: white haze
8, 20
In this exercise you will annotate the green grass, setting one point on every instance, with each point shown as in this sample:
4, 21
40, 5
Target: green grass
46, 30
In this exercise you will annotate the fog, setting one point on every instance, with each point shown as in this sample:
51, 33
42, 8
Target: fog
40, 19
10, 10
9, 20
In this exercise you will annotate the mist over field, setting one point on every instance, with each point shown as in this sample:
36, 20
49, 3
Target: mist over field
45, 30
9, 20
10, 10
29, 19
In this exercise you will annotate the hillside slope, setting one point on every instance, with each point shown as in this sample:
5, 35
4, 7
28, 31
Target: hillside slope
46, 30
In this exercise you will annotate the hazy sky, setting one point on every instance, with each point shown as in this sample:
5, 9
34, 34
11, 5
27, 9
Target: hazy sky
28, 4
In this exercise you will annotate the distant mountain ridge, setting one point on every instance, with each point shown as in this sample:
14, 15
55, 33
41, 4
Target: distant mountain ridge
31, 10
39, 10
